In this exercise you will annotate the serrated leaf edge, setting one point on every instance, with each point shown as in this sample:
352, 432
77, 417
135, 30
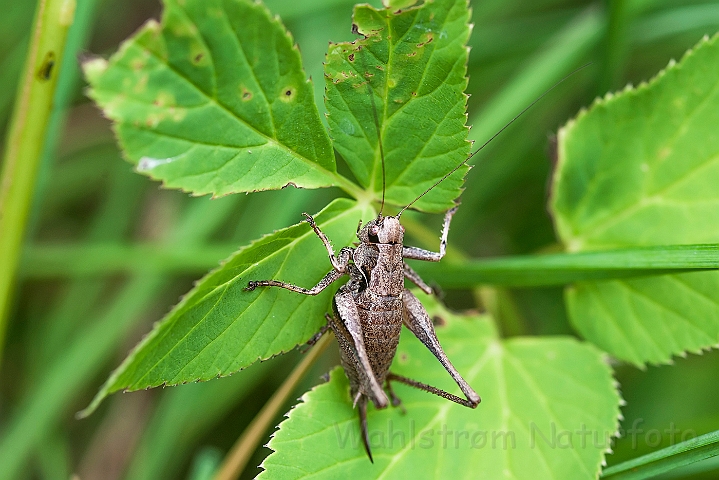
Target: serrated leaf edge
608, 99
105, 390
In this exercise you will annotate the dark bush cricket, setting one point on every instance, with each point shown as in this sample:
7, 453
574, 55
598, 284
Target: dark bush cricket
370, 309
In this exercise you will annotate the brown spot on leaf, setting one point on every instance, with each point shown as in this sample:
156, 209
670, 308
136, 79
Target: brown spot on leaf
430, 37
246, 95
137, 64
198, 57
288, 94
351, 57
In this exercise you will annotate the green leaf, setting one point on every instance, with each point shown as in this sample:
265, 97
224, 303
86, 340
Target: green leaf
407, 76
639, 169
538, 395
218, 329
666, 459
214, 100
397, 4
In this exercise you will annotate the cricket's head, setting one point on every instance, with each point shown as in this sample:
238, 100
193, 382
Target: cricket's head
385, 230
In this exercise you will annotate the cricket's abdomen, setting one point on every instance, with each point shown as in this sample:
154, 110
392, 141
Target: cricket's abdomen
381, 320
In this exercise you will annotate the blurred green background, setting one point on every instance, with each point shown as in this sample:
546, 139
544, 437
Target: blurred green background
108, 252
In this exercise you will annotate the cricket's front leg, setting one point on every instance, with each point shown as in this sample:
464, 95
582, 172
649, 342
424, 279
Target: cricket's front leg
324, 283
419, 323
422, 254
340, 268
337, 264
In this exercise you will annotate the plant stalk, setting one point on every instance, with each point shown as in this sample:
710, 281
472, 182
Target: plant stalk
239, 455
26, 137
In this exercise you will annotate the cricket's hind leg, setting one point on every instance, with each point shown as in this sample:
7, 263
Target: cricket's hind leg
347, 327
396, 402
418, 322
362, 408
393, 377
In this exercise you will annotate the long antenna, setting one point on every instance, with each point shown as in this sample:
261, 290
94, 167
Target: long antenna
379, 132
379, 141
490, 139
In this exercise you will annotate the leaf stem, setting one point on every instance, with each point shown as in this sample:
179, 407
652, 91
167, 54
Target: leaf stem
352, 189
26, 137
237, 458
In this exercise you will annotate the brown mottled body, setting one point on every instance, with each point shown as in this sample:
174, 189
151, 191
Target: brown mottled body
375, 289
370, 309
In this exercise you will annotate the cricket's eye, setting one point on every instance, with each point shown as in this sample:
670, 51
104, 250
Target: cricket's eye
373, 233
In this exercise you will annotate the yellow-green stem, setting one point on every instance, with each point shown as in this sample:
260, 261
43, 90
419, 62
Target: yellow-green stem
236, 460
26, 137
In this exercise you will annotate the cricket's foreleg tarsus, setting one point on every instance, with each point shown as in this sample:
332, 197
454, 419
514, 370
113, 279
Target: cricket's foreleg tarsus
414, 277
362, 408
339, 264
418, 322
321, 285
422, 254
392, 377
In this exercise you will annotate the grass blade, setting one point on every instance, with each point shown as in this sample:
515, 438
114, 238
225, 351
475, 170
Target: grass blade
563, 268
666, 459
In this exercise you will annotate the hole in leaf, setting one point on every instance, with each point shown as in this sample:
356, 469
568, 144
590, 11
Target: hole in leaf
246, 95
288, 94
